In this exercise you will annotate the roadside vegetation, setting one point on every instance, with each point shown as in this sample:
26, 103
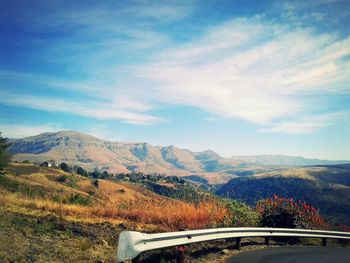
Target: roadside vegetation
4, 155
41, 206
42, 189
285, 212
81, 215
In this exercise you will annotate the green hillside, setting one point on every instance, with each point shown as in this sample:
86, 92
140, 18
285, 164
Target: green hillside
325, 187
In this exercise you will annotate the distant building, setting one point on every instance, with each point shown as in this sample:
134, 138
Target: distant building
49, 164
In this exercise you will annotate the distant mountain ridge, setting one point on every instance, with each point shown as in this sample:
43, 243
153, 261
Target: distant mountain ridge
283, 160
81, 149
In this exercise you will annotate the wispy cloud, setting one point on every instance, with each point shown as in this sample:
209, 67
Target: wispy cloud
252, 70
44, 80
103, 111
243, 68
305, 125
324, 12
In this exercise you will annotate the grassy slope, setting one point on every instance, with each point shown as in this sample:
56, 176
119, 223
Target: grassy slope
40, 222
47, 215
325, 187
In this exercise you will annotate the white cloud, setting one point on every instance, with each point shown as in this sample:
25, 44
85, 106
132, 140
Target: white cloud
306, 124
102, 111
245, 68
251, 70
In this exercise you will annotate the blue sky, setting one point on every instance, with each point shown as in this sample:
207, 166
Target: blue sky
237, 77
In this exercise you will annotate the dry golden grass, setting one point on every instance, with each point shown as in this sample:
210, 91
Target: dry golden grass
168, 215
300, 172
112, 202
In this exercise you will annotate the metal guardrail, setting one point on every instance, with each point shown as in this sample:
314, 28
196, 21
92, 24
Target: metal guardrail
132, 244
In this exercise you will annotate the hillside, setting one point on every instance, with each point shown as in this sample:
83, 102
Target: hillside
89, 152
84, 150
47, 215
325, 187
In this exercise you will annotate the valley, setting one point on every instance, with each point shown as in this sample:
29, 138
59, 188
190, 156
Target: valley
325, 184
326, 187
76, 148
95, 189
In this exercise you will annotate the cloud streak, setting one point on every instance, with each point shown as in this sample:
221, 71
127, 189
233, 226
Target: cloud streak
125, 110
305, 125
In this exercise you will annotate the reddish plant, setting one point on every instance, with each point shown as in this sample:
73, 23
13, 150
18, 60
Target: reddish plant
286, 213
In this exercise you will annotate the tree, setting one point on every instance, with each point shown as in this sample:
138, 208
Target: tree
81, 171
96, 173
4, 155
104, 175
65, 167
95, 183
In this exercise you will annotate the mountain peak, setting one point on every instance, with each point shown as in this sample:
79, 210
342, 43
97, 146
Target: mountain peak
68, 133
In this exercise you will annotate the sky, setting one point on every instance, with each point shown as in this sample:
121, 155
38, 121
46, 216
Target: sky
237, 77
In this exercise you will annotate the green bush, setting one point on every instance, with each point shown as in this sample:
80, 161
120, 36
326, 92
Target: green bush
68, 180
4, 155
8, 184
78, 199
65, 167
95, 183
61, 179
240, 215
81, 171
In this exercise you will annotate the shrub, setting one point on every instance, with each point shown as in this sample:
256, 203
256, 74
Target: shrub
286, 213
8, 184
61, 178
81, 171
4, 155
95, 183
96, 173
77, 199
68, 180
105, 175
240, 215
65, 167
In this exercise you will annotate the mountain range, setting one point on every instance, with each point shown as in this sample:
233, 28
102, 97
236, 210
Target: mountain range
81, 149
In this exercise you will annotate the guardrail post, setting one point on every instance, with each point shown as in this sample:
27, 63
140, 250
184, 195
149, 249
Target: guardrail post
180, 258
324, 242
267, 241
238, 243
